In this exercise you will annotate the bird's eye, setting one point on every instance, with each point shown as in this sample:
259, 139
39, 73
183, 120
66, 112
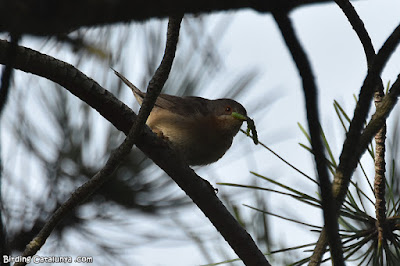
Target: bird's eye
228, 109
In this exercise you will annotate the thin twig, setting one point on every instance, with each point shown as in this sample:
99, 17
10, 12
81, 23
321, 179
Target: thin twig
380, 180
87, 189
310, 93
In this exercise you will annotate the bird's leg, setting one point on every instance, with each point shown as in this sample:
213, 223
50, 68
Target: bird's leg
160, 134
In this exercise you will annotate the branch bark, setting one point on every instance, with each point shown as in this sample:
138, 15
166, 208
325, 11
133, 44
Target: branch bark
380, 180
63, 16
122, 117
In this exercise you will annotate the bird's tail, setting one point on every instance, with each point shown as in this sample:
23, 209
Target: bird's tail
139, 95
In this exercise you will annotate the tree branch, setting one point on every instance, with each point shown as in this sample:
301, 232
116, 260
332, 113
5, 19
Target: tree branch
356, 144
161, 75
359, 28
122, 118
369, 51
6, 77
63, 16
379, 118
350, 152
310, 94
7, 73
83, 192
380, 180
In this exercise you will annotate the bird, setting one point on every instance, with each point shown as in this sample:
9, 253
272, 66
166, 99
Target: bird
202, 130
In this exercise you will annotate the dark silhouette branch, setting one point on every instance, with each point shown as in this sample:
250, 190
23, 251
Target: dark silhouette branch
122, 117
350, 153
379, 180
63, 16
310, 94
83, 192
376, 123
359, 28
355, 144
160, 76
6, 75
351, 148
369, 51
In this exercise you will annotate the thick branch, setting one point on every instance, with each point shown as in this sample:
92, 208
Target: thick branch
310, 94
63, 16
122, 118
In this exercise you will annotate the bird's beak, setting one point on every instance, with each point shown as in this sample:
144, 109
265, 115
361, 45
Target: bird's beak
250, 125
239, 116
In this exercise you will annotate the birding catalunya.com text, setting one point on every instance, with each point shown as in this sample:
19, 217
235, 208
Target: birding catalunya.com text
47, 259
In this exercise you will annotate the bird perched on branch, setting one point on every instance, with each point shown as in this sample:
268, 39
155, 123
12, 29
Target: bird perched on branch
201, 130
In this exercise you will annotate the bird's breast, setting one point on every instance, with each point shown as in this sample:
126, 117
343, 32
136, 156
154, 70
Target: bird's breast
196, 138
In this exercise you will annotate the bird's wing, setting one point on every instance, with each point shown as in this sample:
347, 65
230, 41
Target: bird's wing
183, 106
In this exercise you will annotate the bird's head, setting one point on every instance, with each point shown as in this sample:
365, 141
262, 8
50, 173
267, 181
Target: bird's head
228, 114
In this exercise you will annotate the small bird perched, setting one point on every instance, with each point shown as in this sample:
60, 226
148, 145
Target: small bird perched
201, 130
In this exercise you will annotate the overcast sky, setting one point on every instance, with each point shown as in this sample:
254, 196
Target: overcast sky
339, 65
253, 41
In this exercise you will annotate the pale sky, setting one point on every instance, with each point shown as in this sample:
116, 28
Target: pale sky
339, 65
253, 41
